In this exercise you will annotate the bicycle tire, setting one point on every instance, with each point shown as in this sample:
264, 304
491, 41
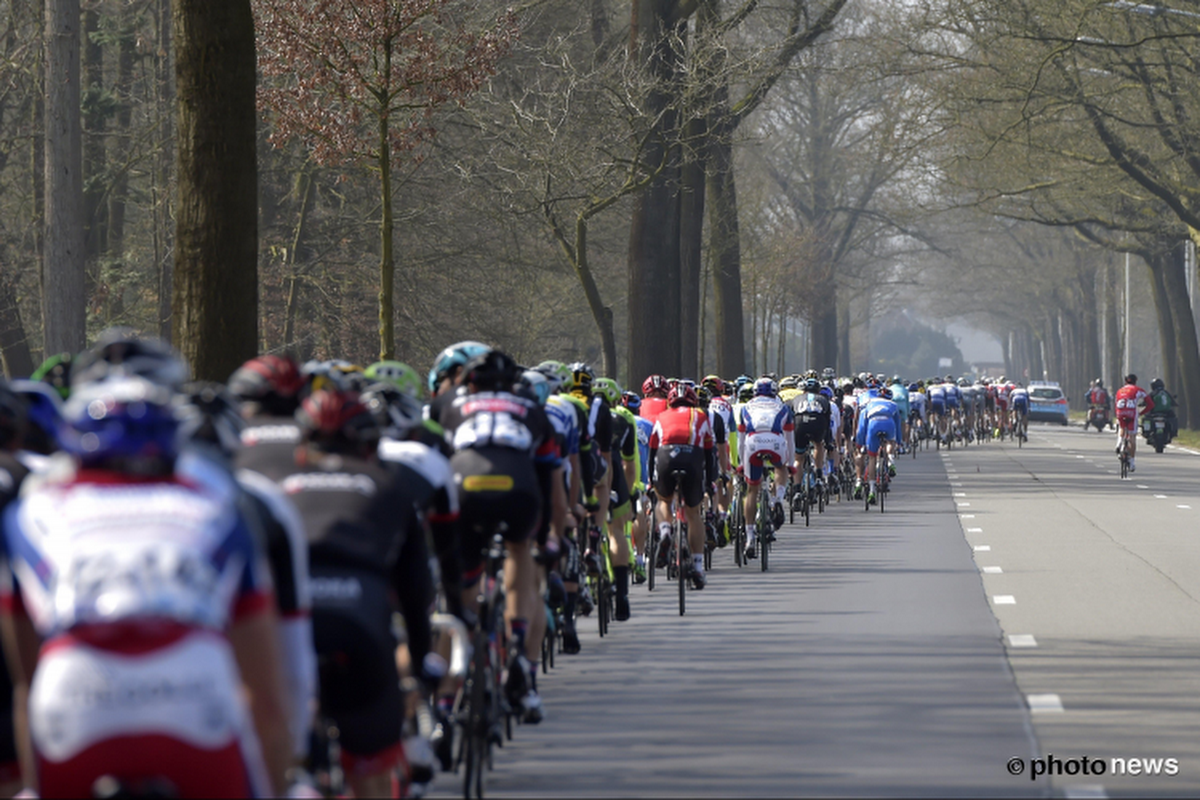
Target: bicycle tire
680, 570
652, 559
476, 736
601, 603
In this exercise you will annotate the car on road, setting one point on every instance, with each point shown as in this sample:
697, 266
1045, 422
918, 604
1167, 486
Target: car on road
1047, 402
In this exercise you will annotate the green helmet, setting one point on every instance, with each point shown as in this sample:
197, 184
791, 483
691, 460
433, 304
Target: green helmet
56, 371
398, 374
609, 388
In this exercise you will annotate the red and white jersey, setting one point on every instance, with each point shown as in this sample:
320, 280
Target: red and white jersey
682, 425
652, 407
720, 407
1129, 397
99, 548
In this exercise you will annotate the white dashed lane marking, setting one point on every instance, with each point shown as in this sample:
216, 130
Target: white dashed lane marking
992, 571
1004, 600
1021, 640
1085, 791
974, 530
1044, 703
983, 548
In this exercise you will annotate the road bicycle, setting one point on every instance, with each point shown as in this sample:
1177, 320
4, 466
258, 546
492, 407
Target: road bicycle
737, 521
1123, 456
600, 578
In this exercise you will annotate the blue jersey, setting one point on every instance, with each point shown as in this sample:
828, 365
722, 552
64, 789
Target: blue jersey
878, 409
900, 398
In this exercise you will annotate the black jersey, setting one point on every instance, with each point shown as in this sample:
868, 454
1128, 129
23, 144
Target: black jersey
811, 408
505, 420
268, 442
358, 516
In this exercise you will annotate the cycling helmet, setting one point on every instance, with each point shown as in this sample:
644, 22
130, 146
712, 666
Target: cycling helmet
704, 396
210, 415
742, 380
828, 372
453, 358
746, 393
395, 411
825, 390
400, 375
683, 395
897, 379
885, 393
912, 387
556, 372
811, 384
810, 373
538, 384
1157, 384
1100, 383
334, 374
582, 377
963, 382
858, 382
1131, 379
14, 415
609, 389
790, 382
128, 421
714, 384
631, 400
121, 352
273, 381
56, 372
766, 387
337, 420
492, 371
44, 415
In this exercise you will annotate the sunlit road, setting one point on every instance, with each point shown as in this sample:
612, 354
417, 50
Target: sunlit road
1010, 604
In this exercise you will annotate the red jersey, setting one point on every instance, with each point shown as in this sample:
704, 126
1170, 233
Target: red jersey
1129, 397
652, 407
682, 425
1097, 396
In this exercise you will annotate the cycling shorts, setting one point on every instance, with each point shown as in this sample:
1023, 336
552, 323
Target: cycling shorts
762, 447
620, 486
1021, 408
356, 663
989, 403
1002, 403
680, 457
148, 701
951, 401
1127, 419
871, 437
495, 485
812, 432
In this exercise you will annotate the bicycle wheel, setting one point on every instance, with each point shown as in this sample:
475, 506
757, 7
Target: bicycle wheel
652, 554
681, 569
809, 491
478, 722
765, 529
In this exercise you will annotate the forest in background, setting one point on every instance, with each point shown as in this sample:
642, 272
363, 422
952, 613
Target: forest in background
672, 185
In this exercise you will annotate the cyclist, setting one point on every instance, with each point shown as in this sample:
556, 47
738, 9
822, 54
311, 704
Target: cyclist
269, 388
937, 408
504, 464
641, 518
813, 415
765, 433
654, 397
901, 399
1129, 398
878, 427
447, 367
1018, 401
682, 440
132, 576
624, 475
720, 406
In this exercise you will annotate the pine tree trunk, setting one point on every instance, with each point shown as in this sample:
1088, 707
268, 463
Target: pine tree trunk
691, 237
164, 240
126, 54
726, 253
1187, 349
215, 286
63, 298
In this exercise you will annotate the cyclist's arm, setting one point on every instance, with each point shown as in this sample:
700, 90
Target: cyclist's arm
256, 648
413, 585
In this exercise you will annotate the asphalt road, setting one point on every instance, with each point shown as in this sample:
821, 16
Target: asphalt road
1011, 604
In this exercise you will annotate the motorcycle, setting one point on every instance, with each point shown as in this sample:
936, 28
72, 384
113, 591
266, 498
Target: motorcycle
1156, 429
1098, 416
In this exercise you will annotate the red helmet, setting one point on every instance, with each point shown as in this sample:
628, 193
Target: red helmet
683, 394
337, 419
264, 376
714, 384
655, 384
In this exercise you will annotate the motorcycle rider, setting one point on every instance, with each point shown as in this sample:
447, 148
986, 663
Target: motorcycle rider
1164, 407
1098, 399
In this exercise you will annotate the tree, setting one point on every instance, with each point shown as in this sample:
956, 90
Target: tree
63, 310
359, 82
215, 292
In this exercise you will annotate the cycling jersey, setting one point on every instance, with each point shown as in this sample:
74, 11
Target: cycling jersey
132, 583
765, 431
625, 443
366, 547
917, 402
1129, 397
682, 439
901, 398
1019, 400
937, 399
652, 407
564, 416
644, 428
880, 417
813, 413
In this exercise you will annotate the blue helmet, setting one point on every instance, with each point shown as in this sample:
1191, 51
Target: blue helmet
766, 387
454, 356
124, 417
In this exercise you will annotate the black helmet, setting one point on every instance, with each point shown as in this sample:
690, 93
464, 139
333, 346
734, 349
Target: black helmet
1131, 379
494, 371
1157, 384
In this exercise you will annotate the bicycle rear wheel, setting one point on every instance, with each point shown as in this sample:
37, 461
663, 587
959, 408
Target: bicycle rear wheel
652, 554
681, 568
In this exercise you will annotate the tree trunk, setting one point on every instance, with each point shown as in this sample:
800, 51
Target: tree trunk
94, 166
1187, 350
163, 240
691, 237
1165, 318
823, 340
215, 294
63, 297
655, 324
726, 252
1112, 329
126, 55
14, 342
844, 365
387, 261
